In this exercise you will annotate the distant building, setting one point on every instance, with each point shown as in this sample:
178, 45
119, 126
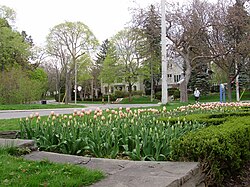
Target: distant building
174, 76
121, 85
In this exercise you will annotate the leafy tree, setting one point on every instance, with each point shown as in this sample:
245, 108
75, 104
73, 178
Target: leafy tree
98, 65
187, 32
147, 23
84, 65
101, 55
68, 42
229, 39
17, 86
110, 70
13, 48
200, 77
39, 75
7, 13
20, 80
127, 43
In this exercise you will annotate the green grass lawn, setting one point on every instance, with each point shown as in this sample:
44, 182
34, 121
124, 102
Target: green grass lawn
138, 100
215, 97
16, 171
9, 124
36, 106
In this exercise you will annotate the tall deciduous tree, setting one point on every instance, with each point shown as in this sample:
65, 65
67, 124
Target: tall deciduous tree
13, 48
7, 13
186, 31
127, 43
69, 41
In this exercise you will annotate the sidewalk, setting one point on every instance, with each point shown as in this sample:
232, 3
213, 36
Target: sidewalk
124, 173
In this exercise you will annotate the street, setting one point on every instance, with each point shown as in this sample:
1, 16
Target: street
8, 114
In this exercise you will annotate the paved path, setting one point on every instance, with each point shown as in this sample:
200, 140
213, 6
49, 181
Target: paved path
8, 114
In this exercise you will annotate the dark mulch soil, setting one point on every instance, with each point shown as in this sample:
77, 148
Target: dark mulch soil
241, 179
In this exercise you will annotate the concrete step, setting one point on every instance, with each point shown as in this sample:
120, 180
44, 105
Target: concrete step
18, 143
121, 173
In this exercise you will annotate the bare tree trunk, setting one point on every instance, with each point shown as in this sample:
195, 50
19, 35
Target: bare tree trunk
70, 89
130, 91
92, 89
66, 87
183, 91
85, 92
229, 89
81, 95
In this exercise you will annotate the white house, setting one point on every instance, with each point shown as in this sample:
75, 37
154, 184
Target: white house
174, 72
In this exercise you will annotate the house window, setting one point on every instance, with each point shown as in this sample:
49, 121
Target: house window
177, 78
169, 75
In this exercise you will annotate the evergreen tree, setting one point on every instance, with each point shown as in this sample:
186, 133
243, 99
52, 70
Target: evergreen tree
200, 78
98, 65
148, 21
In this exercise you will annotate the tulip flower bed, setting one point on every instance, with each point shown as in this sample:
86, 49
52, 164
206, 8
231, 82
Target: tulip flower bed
126, 134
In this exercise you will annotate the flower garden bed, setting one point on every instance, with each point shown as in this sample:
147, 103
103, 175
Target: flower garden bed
150, 134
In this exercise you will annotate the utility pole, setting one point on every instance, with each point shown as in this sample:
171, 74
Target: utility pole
164, 84
237, 83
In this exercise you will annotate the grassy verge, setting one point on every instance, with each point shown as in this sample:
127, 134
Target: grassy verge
16, 171
9, 124
36, 106
139, 100
215, 97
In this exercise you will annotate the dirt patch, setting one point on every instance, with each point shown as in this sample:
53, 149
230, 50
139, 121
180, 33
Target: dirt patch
241, 179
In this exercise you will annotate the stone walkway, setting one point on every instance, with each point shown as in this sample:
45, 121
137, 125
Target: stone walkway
123, 173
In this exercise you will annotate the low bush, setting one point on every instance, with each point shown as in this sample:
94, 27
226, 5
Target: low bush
221, 149
175, 92
121, 94
112, 97
158, 95
208, 119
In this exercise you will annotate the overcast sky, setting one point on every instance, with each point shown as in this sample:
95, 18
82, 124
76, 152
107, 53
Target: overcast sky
104, 17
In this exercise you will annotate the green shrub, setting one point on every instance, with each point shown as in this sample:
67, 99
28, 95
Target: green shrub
112, 97
137, 93
158, 95
121, 94
208, 119
221, 149
175, 92
61, 97
17, 87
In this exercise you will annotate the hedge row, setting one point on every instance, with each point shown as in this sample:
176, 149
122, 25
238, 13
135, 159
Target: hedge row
208, 119
221, 149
